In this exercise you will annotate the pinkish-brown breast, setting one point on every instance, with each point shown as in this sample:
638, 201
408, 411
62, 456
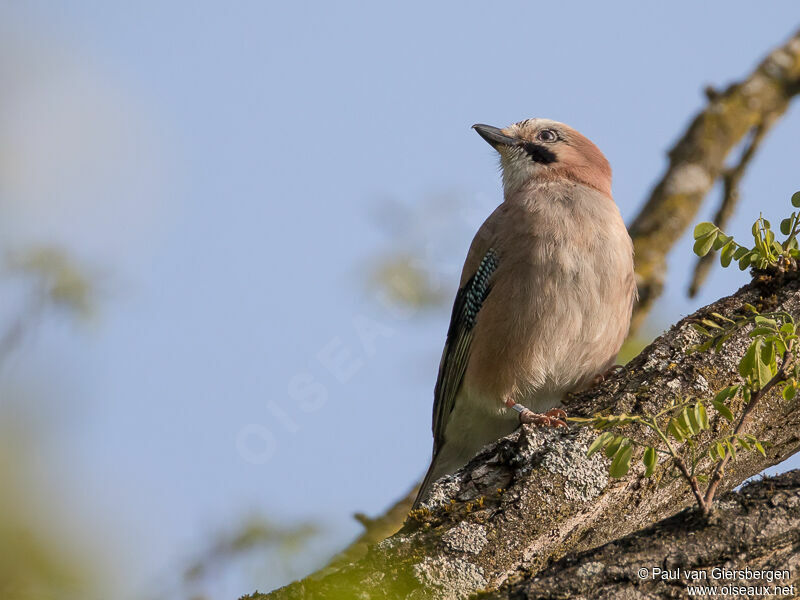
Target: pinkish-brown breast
561, 297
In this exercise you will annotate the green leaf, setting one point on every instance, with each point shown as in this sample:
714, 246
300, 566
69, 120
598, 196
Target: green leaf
740, 252
703, 229
786, 226
685, 422
622, 462
712, 453
796, 199
744, 261
704, 346
726, 393
599, 442
760, 448
649, 459
761, 331
721, 240
720, 317
710, 323
703, 245
601, 423
787, 328
765, 363
727, 254
721, 450
723, 410
731, 448
748, 362
789, 391
691, 413
701, 415
744, 443
762, 320
701, 330
614, 445
676, 431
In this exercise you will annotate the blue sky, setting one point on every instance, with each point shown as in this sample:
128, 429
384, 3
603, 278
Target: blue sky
219, 167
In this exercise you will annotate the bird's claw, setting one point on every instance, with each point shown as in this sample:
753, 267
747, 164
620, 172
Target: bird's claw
552, 418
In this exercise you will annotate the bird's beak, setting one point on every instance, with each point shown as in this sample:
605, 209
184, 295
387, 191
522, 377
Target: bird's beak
495, 136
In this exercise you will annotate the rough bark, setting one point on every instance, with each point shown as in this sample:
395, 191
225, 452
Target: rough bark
757, 528
698, 159
533, 497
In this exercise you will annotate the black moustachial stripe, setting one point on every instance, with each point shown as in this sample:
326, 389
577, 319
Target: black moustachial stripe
477, 288
539, 153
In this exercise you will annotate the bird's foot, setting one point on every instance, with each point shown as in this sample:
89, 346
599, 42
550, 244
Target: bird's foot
601, 377
552, 418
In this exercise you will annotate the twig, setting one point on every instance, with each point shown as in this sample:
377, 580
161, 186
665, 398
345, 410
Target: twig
730, 196
679, 462
714, 482
698, 495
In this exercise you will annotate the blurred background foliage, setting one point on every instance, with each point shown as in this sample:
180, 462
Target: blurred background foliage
36, 559
40, 559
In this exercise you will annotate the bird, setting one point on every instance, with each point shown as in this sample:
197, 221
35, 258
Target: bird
545, 297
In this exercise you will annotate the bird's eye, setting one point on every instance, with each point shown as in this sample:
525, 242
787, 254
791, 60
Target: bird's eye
546, 135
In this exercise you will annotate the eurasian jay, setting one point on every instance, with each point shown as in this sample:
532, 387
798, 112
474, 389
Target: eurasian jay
545, 298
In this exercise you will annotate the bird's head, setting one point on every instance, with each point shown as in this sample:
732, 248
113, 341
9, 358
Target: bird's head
544, 150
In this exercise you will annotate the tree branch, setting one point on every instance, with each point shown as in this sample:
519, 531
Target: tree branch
760, 527
533, 497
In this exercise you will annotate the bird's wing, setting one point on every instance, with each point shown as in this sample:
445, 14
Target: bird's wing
466, 307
